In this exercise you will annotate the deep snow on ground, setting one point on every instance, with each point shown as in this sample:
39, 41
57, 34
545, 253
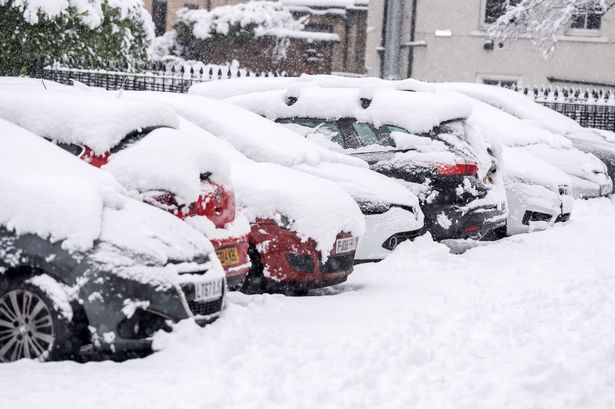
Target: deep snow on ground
528, 322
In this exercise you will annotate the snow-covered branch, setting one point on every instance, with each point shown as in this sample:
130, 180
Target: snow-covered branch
543, 20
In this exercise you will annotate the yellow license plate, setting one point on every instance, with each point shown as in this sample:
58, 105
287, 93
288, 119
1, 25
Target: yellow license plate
228, 256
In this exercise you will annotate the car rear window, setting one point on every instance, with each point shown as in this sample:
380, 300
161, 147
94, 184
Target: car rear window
313, 127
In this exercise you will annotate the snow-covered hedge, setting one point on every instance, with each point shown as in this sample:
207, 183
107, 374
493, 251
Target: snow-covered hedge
81, 33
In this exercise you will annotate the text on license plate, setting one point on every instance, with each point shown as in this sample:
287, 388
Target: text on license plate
228, 256
210, 290
345, 245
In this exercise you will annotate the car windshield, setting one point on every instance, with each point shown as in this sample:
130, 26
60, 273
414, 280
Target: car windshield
319, 130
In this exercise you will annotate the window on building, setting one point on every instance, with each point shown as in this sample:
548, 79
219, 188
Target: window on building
159, 16
495, 8
507, 81
590, 21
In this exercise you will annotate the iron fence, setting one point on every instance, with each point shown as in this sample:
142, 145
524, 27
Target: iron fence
593, 108
158, 78
589, 107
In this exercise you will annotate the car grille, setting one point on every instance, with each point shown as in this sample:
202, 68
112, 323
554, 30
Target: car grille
206, 308
562, 218
337, 263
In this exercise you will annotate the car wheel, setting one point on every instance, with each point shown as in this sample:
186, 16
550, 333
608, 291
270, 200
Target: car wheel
31, 325
255, 280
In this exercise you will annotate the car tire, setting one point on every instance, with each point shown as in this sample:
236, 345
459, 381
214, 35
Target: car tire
32, 326
255, 279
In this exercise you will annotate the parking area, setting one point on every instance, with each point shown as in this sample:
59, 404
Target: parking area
524, 322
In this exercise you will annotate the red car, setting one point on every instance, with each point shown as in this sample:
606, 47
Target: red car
95, 128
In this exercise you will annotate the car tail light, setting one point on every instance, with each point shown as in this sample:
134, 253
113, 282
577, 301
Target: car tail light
470, 229
457, 169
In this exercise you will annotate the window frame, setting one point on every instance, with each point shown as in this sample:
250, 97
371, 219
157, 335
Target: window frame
585, 32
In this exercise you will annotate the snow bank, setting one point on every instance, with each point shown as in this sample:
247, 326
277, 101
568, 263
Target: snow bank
256, 137
97, 120
170, 160
238, 86
416, 112
525, 322
20, 83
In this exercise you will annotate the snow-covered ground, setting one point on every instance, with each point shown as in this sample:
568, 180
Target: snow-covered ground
527, 322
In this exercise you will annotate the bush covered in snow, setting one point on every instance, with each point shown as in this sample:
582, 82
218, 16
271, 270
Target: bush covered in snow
80, 33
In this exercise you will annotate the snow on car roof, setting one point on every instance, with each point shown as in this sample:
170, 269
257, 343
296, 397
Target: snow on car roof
515, 104
170, 160
240, 86
506, 128
414, 111
48, 192
319, 209
98, 120
256, 137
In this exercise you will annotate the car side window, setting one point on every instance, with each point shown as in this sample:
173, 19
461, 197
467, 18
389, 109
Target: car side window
319, 130
131, 138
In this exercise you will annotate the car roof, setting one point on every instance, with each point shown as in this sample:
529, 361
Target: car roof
414, 111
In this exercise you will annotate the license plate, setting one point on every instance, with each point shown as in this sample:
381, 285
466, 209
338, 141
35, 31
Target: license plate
345, 245
210, 290
228, 256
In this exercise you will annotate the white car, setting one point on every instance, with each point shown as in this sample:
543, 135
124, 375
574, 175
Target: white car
538, 193
542, 132
392, 213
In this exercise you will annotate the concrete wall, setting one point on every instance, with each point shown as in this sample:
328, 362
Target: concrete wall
462, 56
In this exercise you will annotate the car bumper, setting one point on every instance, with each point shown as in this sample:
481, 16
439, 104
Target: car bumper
289, 263
457, 222
385, 231
235, 272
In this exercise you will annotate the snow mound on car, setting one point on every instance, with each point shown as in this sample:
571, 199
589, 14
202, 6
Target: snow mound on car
170, 160
414, 111
48, 192
508, 129
254, 136
522, 166
98, 120
516, 104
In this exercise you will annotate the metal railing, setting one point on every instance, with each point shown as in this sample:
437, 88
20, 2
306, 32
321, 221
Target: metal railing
158, 78
593, 108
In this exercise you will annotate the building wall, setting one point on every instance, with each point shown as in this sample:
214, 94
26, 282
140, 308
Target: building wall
174, 5
462, 56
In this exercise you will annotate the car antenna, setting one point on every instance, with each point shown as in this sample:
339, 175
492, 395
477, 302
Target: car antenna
44, 86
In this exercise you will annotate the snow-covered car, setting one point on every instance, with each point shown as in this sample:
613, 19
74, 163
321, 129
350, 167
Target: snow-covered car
136, 142
86, 271
538, 193
547, 134
392, 212
304, 230
418, 139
